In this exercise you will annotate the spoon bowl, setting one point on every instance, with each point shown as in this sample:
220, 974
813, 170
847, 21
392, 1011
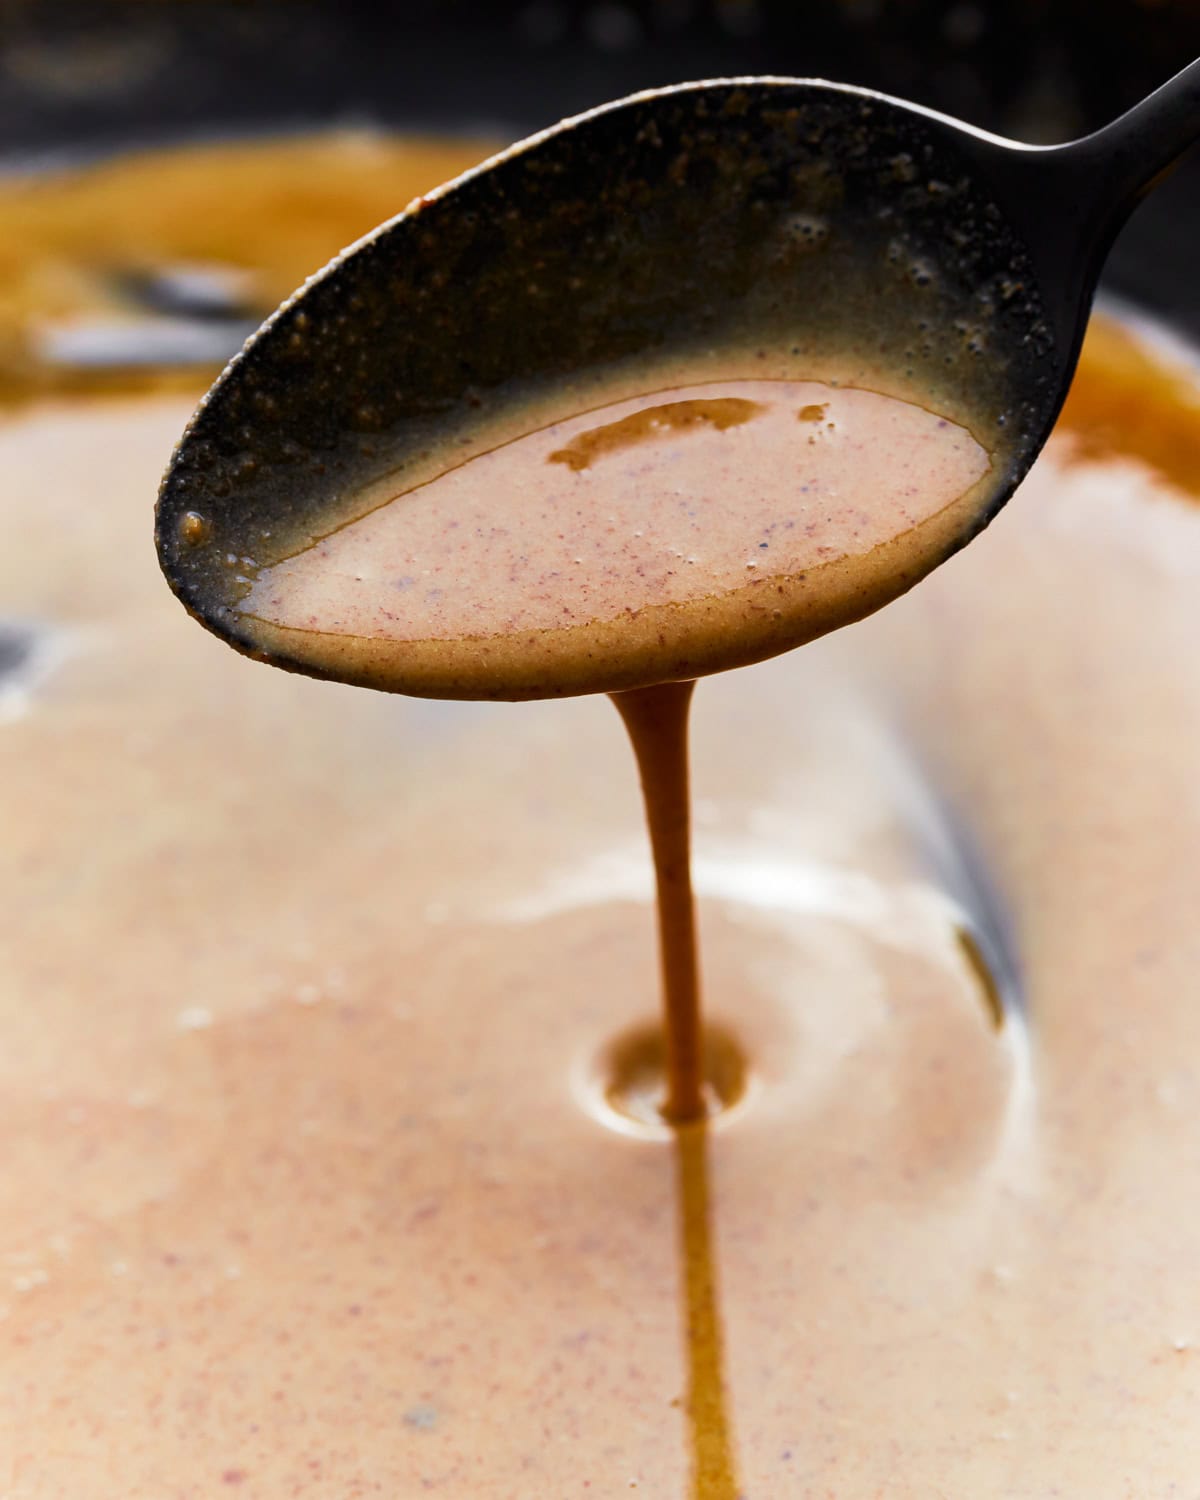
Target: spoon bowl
792, 229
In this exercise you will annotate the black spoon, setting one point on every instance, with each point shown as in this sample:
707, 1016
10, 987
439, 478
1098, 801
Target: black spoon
704, 216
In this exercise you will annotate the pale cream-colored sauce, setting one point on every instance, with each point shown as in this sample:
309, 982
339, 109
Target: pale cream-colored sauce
309, 1180
773, 495
314, 1177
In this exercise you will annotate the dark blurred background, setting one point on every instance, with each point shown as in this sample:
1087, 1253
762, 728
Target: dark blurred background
87, 78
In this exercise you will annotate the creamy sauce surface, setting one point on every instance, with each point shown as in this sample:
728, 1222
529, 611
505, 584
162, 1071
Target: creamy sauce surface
254, 1223
661, 500
664, 536
313, 1181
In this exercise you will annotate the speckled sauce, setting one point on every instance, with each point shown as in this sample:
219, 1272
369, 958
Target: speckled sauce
329, 1157
728, 501
310, 1184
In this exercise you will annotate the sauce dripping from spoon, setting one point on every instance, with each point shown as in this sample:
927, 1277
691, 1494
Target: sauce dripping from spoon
654, 539
657, 721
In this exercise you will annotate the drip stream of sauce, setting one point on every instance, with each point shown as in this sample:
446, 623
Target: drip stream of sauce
657, 721
714, 1467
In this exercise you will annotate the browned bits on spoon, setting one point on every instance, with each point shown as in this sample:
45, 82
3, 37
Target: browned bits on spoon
194, 528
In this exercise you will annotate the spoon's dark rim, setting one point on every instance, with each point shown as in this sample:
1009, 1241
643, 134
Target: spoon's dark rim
531, 142
991, 143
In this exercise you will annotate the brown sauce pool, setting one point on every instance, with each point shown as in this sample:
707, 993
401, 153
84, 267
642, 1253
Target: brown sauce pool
326, 1011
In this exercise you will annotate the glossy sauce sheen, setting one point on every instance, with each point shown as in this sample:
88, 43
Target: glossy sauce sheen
657, 721
313, 1182
662, 536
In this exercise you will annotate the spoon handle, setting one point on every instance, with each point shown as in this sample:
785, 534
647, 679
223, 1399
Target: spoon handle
1071, 200
1127, 158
